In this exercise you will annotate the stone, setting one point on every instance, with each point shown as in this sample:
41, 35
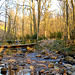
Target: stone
15, 68
42, 71
28, 48
73, 73
38, 55
3, 70
43, 52
56, 51
73, 67
26, 70
51, 65
24, 50
32, 67
12, 60
57, 74
41, 65
42, 61
68, 58
64, 74
69, 73
53, 57
46, 57
73, 61
0, 58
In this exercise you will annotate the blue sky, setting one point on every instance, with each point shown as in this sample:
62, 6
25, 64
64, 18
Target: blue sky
54, 6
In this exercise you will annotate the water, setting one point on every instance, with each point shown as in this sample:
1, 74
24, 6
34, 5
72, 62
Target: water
31, 56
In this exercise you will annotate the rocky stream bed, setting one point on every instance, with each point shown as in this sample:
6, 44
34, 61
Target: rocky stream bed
36, 63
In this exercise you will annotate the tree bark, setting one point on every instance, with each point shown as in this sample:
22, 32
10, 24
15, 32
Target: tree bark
39, 6
30, 19
14, 30
68, 30
23, 20
34, 17
73, 8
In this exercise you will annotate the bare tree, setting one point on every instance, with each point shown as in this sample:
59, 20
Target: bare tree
67, 15
30, 17
73, 8
39, 7
14, 29
34, 16
23, 19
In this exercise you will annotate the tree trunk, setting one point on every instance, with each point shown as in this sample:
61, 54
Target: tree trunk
34, 17
68, 30
9, 24
23, 20
39, 6
30, 19
15, 21
73, 8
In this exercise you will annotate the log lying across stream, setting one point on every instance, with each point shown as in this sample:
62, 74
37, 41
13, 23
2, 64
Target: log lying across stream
18, 45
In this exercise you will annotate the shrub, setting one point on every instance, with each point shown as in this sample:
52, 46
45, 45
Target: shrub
9, 41
53, 35
40, 38
72, 35
34, 36
27, 36
44, 37
59, 35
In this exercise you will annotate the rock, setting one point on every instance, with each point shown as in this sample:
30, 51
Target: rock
56, 51
57, 74
41, 65
65, 74
15, 68
73, 73
32, 73
28, 61
73, 67
46, 71
51, 54
56, 69
43, 52
0, 58
3, 70
51, 65
46, 57
28, 48
24, 50
42, 71
60, 62
32, 67
53, 57
73, 61
74, 56
42, 61
12, 60
27, 70
19, 51
56, 63
38, 55
2, 65
69, 73
22, 64
68, 58
68, 66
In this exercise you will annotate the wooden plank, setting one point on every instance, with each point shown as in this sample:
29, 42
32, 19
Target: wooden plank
17, 46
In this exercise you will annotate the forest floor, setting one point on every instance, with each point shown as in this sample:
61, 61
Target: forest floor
48, 57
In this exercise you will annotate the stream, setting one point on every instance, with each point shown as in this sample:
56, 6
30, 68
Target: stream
27, 64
